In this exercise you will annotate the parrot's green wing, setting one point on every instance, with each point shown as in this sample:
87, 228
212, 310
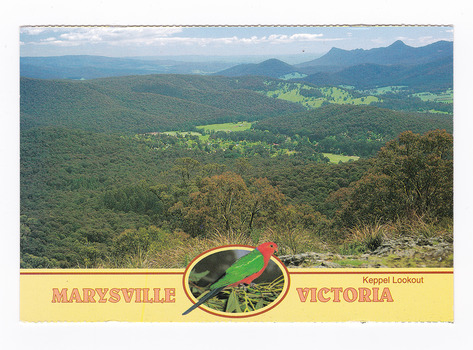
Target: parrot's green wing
245, 266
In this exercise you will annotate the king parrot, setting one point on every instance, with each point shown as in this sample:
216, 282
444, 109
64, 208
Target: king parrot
243, 271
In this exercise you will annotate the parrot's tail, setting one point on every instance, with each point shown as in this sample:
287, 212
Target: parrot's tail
202, 300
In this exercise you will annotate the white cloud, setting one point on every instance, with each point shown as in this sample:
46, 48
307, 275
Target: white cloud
120, 34
147, 36
284, 39
306, 37
93, 35
32, 30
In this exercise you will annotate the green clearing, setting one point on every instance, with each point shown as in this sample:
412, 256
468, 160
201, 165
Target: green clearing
184, 133
336, 158
205, 140
383, 90
435, 111
315, 103
293, 95
292, 92
228, 127
181, 133
444, 97
290, 95
342, 96
202, 138
295, 75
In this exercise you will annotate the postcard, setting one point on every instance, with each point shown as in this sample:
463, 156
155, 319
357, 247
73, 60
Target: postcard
236, 173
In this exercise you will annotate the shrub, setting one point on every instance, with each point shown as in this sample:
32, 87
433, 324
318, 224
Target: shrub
370, 236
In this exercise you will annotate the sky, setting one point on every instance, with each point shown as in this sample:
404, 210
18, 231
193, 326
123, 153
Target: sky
218, 41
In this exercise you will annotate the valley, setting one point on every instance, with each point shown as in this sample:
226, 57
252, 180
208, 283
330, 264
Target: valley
137, 170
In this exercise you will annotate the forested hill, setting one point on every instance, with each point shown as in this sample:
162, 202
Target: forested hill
270, 68
355, 130
432, 76
136, 104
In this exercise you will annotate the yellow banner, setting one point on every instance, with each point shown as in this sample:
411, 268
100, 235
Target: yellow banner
307, 295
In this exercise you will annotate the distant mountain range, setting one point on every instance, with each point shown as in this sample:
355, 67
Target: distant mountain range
397, 53
427, 68
90, 67
423, 68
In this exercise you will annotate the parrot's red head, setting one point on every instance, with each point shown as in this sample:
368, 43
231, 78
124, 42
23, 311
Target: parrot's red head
268, 248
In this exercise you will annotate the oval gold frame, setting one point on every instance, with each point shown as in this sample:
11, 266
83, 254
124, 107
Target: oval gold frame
209, 252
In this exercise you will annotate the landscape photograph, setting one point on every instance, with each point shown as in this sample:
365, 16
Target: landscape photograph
143, 147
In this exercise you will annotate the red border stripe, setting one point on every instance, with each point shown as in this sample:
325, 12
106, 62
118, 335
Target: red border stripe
101, 273
366, 272
290, 273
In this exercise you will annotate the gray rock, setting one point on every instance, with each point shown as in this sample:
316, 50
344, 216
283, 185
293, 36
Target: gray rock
427, 250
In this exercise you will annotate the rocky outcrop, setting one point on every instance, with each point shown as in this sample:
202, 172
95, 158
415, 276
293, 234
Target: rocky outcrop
399, 252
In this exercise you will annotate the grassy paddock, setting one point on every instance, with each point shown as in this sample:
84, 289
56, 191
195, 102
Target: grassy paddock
444, 97
383, 90
336, 158
291, 92
240, 126
182, 133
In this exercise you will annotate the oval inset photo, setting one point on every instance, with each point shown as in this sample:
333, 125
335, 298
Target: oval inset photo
220, 275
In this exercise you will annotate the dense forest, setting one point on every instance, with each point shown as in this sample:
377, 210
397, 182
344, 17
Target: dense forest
354, 130
137, 104
119, 172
